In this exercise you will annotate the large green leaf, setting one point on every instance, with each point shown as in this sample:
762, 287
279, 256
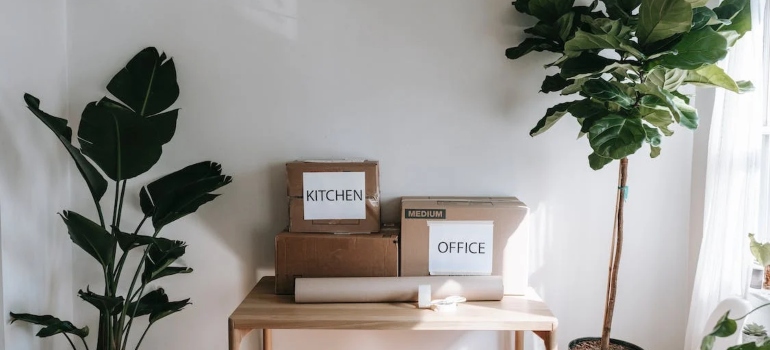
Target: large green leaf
660, 118
588, 112
662, 19
91, 237
597, 162
97, 185
549, 10
712, 75
652, 135
586, 63
668, 79
696, 49
554, 83
603, 90
147, 84
616, 136
160, 255
574, 87
606, 34
738, 13
689, 114
656, 97
128, 241
552, 115
157, 305
703, 16
529, 45
621, 9
121, 142
107, 305
181, 192
544, 30
760, 251
51, 325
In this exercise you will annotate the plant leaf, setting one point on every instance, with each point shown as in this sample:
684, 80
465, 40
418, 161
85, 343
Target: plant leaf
597, 162
147, 84
160, 255
689, 114
529, 45
760, 251
575, 87
51, 325
165, 125
703, 16
605, 91
662, 19
697, 3
654, 151
712, 75
128, 241
566, 25
147, 303
610, 35
616, 136
586, 63
96, 183
168, 309
621, 9
660, 118
738, 14
91, 237
652, 135
588, 112
105, 304
696, 49
549, 10
668, 79
121, 142
182, 192
554, 83
552, 115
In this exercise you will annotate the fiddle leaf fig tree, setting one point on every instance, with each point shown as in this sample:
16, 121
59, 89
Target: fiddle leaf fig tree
625, 63
124, 138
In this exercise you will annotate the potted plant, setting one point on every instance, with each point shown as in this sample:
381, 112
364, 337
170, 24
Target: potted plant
626, 62
755, 333
761, 253
124, 138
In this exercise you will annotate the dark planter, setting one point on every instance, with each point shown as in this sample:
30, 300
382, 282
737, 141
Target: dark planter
624, 344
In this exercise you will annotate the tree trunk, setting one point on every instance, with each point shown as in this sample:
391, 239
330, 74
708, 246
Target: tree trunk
617, 247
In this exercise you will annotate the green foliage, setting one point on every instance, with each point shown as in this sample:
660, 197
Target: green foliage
760, 251
124, 139
628, 62
755, 330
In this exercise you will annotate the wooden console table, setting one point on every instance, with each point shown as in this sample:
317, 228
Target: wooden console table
264, 310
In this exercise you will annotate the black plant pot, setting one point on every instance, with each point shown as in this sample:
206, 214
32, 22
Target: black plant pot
626, 345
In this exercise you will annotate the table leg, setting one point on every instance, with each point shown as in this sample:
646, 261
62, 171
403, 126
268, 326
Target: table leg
267, 339
519, 341
235, 336
549, 339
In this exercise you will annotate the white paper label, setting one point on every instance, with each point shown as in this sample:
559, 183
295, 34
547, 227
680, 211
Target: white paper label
460, 247
337, 195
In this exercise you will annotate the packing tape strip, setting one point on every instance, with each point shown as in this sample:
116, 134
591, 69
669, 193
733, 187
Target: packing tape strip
448, 304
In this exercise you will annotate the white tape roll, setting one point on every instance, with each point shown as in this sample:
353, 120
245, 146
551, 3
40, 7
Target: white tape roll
423, 296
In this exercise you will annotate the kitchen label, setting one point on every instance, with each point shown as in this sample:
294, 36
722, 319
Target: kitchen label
334, 196
460, 247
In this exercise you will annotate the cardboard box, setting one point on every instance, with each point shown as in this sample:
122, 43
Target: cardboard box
333, 196
509, 237
333, 255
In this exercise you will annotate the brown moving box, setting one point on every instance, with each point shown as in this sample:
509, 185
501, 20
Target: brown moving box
510, 233
364, 199
333, 255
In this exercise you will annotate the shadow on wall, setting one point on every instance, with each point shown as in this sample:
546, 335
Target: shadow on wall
254, 211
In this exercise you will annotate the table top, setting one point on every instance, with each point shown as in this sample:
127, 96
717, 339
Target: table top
262, 309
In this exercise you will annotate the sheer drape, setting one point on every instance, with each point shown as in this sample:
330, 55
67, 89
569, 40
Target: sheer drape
732, 179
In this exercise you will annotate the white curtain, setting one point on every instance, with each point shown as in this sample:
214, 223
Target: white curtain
732, 179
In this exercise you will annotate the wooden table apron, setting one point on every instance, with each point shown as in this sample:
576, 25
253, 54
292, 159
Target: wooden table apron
262, 309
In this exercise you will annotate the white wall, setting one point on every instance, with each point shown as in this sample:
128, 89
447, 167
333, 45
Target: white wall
35, 184
422, 86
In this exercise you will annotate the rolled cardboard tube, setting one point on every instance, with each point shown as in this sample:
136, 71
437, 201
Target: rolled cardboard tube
395, 289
